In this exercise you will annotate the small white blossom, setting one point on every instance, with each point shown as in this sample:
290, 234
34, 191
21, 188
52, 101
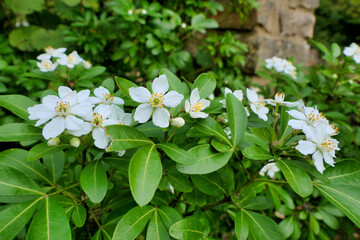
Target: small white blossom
257, 104
47, 65
70, 60
195, 105
281, 65
130, 12
238, 94
87, 64
353, 51
270, 169
155, 103
51, 52
279, 99
143, 11
183, 25
106, 101
309, 117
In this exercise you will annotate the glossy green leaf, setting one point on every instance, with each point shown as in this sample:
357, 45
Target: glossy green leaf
241, 225
17, 104
133, 222
237, 118
277, 191
125, 137
14, 218
177, 154
174, 82
169, 216
16, 158
258, 203
145, 173
180, 182
94, 182
196, 197
42, 149
314, 224
297, 178
219, 146
14, 132
149, 129
15, 184
209, 184
211, 127
55, 164
345, 197
207, 160
186, 229
50, 222
262, 227
345, 172
79, 215
92, 73
156, 229
124, 85
206, 84
287, 226
256, 153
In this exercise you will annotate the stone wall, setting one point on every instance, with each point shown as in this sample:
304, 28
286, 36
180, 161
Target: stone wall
277, 28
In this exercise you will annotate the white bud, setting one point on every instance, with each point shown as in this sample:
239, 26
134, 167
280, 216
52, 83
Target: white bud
121, 153
178, 122
335, 75
143, 11
53, 141
183, 25
130, 12
87, 64
75, 142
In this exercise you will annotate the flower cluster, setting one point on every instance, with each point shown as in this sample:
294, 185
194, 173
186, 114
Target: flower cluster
281, 65
318, 132
353, 51
50, 60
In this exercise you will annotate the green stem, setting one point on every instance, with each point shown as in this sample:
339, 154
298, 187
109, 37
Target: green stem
64, 189
269, 180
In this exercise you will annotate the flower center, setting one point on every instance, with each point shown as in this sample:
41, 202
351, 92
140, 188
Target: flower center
197, 107
315, 117
157, 100
97, 119
62, 107
71, 59
336, 130
108, 99
279, 97
47, 64
328, 145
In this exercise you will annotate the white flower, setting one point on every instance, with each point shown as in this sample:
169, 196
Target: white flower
105, 100
320, 145
130, 12
70, 60
270, 169
177, 122
87, 64
195, 105
47, 65
63, 111
309, 117
238, 94
257, 104
353, 51
281, 65
156, 102
51, 52
143, 11
183, 25
279, 99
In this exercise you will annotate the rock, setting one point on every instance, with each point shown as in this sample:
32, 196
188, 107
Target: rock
297, 22
268, 16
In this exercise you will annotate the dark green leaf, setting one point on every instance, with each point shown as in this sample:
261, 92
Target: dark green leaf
156, 229
174, 82
42, 149
169, 216
209, 184
211, 127
79, 215
241, 225
92, 73
256, 153
206, 84
94, 182
180, 182
124, 85
14, 132
237, 118
17, 104
55, 164
177, 154
186, 229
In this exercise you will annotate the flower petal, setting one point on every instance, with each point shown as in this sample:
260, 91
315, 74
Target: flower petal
318, 161
54, 128
94, 100
101, 140
161, 117
83, 95
63, 91
251, 95
140, 94
73, 123
296, 124
306, 147
103, 109
239, 94
328, 158
85, 129
143, 113
39, 111
227, 90
187, 106
205, 103
198, 115
118, 101
100, 91
297, 114
82, 109
194, 96
172, 99
160, 84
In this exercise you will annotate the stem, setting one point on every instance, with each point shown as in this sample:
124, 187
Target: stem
245, 170
172, 134
269, 180
222, 201
64, 189
95, 219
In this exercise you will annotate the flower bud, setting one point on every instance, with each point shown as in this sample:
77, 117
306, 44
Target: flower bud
178, 122
121, 153
75, 142
53, 141
143, 11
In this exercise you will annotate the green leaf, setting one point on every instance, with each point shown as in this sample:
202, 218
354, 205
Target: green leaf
211, 127
145, 173
241, 225
262, 227
43, 149
16, 158
79, 215
133, 222
345, 197
258, 203
14, 183
169, 216
156, 229
150, 130
207, 160
335, 50
124, 85
186, 229
125, 137
17, 104
287, 226
205, 83
196, 197
180, 182
174, 82
199, 23
314, 224
94, 182
297, 178
55, 164
14, 218
345, 172
209, 184
177, 154
27, 7
50, 222
14, 132
256, 153
237, 118
92, 73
